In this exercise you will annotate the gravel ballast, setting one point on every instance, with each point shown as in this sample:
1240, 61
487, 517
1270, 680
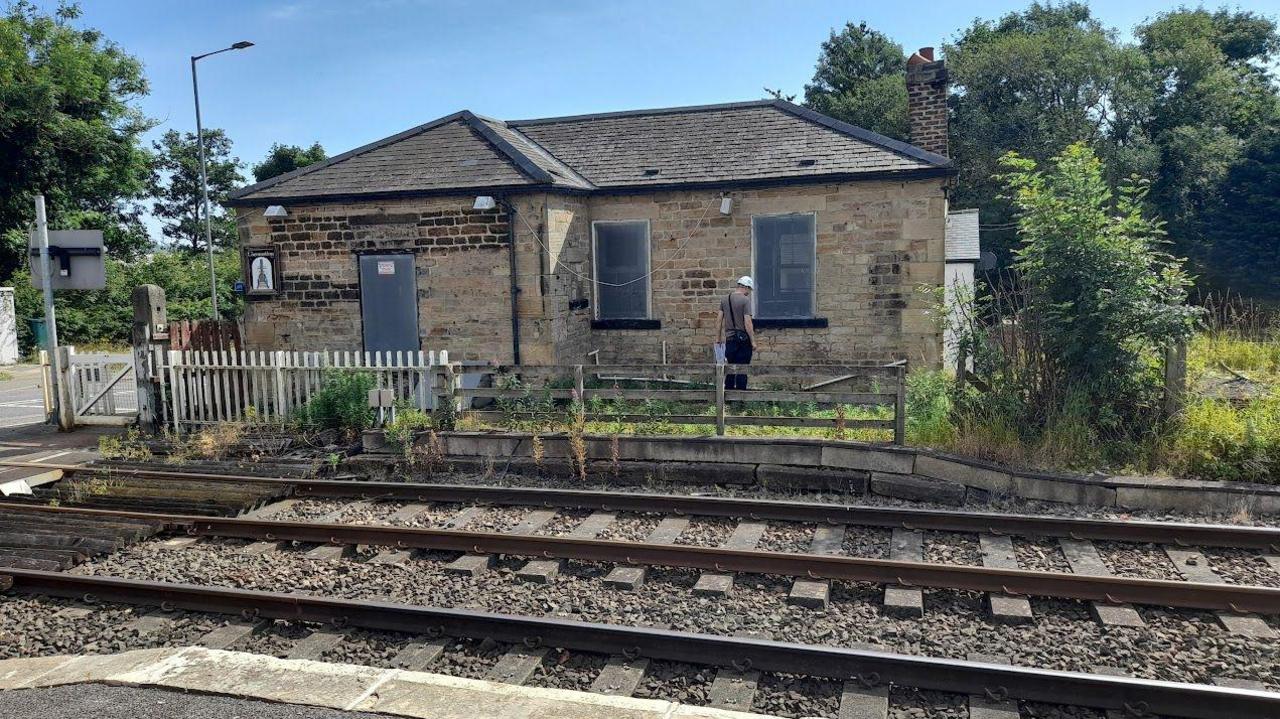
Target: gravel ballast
1192, 645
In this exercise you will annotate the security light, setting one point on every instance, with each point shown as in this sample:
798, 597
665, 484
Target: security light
275, 211
484, 202
726, 206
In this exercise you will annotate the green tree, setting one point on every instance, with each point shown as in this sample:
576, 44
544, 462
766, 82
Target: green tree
1102, 295
69, 129
1033, 82
287, 158
175, 186
1242, 228
1212, 92
860, 79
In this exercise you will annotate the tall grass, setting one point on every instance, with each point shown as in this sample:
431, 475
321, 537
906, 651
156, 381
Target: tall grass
1217, 439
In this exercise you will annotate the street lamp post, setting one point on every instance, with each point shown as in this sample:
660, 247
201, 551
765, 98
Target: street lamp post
204, 172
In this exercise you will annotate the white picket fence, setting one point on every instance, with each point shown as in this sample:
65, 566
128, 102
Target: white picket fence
206, 387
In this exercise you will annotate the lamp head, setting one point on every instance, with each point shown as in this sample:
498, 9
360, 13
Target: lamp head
241, 45
484, 202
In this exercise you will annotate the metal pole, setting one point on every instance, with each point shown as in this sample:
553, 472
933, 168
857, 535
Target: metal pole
204, 190
50, 322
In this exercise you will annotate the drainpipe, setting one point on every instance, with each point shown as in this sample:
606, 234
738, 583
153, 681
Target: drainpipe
515, 287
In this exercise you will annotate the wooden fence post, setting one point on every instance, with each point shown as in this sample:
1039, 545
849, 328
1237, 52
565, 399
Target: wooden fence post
900, 406
1175, 377
66, 394
580, 386
720, 399
149, 324
277, 359
453, 383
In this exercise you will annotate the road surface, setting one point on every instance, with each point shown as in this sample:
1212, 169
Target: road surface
21, 398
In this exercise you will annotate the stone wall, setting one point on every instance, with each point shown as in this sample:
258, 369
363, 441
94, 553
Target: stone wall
877, 243
460, 265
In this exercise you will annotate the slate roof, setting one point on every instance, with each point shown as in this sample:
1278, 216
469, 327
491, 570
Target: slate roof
751, 142
962, 236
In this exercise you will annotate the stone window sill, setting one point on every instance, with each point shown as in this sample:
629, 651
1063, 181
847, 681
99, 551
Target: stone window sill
626, 325
809, 322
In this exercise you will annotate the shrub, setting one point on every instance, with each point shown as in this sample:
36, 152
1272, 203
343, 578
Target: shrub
1067, 346
342, 402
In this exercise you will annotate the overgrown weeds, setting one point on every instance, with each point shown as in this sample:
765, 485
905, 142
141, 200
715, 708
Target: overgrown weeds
342, 403
131, 447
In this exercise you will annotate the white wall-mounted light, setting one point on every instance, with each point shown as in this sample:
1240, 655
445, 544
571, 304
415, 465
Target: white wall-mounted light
275, 211
484, 202
726, 206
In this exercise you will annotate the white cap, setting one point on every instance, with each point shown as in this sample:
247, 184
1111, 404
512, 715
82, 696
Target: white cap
745, 281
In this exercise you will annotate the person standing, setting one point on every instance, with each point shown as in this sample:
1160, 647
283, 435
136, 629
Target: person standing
736, 330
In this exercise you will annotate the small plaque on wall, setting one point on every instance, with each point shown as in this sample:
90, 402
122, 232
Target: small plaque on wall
262, 271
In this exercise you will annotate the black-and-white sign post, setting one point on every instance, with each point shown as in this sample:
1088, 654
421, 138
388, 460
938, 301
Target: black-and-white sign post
80, 266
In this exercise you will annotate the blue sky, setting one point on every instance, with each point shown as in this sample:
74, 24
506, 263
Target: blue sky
346, 72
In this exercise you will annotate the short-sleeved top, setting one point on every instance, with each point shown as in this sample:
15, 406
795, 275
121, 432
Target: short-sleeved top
735, 308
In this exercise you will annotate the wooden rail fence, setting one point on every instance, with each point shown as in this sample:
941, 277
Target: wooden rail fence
206, 387
698, 384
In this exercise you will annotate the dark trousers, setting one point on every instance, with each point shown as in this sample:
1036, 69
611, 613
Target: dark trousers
736, 352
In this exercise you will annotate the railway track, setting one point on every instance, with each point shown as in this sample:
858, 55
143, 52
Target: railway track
865, 673
912, 519
549, 526
1108, 589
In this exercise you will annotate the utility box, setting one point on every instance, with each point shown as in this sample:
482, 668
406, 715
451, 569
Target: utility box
76, 259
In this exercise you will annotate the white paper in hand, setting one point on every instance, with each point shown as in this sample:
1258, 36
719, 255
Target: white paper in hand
719, 352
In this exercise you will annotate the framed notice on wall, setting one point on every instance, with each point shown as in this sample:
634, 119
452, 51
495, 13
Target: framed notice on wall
262, 271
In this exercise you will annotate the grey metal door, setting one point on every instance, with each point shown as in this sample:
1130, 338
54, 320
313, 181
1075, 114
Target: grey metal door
388, 303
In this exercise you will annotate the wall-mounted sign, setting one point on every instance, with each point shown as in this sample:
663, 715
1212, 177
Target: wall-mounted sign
75, 260
262, 271
386, 268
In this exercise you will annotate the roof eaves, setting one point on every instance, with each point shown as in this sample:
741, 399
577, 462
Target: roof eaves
639, 113
272, 181
522, 161
863, 134
921, 173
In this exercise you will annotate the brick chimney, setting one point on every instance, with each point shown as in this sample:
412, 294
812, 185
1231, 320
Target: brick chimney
927, 101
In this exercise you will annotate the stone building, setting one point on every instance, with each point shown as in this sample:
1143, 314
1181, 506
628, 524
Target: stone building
542, 241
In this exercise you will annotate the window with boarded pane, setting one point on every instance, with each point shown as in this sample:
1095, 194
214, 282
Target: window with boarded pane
622, 269
784, 259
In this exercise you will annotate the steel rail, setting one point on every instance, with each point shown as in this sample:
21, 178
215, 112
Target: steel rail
1108, 589
1178, 533
1193, 701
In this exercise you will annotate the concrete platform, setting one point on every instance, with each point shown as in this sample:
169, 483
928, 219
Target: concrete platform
331, 686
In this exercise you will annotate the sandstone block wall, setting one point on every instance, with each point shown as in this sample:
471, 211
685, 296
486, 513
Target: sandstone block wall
460, 263
877, 244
